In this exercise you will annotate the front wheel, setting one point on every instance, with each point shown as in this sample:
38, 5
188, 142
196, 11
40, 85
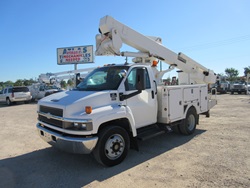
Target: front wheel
188, 126
112, 146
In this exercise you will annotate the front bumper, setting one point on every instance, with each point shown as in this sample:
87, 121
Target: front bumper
69, 143
238, 90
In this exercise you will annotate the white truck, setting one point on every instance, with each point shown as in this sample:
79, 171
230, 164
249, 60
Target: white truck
222, 85
115, 105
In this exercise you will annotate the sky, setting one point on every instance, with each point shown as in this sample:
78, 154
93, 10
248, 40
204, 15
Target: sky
215, 33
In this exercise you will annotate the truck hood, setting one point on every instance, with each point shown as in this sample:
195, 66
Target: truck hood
74, 102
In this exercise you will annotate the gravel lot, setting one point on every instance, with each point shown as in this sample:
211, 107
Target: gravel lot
217, 155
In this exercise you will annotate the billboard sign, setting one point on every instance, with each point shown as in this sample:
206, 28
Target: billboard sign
75, 55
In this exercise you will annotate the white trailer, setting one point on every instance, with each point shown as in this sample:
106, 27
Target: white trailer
115, 105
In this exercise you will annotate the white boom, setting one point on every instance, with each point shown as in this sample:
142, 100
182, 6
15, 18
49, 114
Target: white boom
114, 33
46, 78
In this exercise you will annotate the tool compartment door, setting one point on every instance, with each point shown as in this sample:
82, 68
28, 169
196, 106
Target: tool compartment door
175, 104
204, 99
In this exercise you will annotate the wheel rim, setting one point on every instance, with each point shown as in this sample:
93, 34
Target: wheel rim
8, 102
191, 122
114, 146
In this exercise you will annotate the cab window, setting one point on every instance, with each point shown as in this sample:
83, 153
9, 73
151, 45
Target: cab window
130, 82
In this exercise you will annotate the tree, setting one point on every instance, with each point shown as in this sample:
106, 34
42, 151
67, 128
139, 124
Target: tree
8, 83
63, 84
28, 82
19, 82
1, 85
246, 70
231, 74
70, 82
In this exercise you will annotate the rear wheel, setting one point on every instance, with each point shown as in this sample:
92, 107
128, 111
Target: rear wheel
112, 146
176, 129
8, 102
188, 125
27, 102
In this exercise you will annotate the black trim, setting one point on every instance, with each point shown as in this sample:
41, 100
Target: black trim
124, 97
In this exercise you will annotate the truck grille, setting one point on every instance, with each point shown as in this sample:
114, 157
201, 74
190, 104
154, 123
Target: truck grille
237, 87
53, 111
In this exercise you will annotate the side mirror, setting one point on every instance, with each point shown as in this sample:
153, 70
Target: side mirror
140, 79
123, 73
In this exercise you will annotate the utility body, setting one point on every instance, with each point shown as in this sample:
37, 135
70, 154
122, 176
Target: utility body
115, 105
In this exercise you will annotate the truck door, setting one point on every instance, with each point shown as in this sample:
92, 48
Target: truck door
41, 92
144, 105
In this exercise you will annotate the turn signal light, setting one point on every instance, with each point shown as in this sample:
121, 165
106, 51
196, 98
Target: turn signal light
154, 64
88, 109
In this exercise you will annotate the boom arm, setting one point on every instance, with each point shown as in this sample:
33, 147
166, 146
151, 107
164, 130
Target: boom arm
114, 33
46, 78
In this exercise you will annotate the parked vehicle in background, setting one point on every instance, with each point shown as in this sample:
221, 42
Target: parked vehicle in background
39, 90
248, 83
238, 87
222, 85
15, 94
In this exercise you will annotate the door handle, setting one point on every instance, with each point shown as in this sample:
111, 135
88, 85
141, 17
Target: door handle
155, 87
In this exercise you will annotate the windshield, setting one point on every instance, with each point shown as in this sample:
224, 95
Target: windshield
104, 78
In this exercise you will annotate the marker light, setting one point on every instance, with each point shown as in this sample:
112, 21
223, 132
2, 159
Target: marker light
154, 64
88, 109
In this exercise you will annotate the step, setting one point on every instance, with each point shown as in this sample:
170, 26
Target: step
150, 132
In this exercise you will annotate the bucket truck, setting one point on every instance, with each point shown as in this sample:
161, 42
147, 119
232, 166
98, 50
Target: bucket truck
49, 83
117, 105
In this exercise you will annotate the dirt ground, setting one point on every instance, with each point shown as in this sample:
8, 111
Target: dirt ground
217, 155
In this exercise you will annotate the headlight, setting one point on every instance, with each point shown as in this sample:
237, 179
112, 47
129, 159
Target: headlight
80, 126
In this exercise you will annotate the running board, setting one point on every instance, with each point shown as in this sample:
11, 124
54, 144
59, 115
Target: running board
151, 131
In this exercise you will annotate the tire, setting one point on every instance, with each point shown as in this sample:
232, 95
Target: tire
232, 92
27, 102
188, 126
176, 129
8, 102
112, 146
239, 92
